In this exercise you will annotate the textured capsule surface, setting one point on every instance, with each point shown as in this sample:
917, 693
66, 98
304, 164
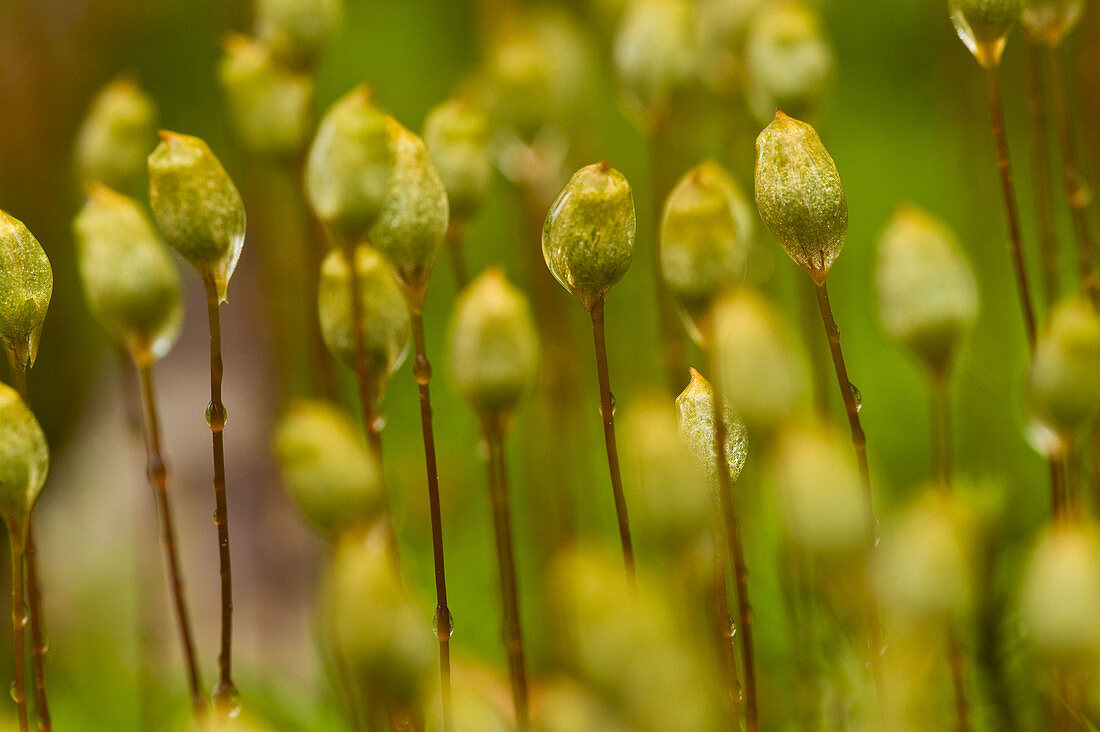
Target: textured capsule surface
117, 136
130, 281
197, 206
327, 468
297, 31
457, 135
24, 461
493, 346
695, 410
927, 292
788, 63
1063, 384
385, 313
588, 237
26, 286
983, 26
799, 194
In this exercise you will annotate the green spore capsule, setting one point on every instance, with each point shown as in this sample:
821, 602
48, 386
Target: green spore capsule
457, 135
26, 285
413, 222
1063, 385
117, 136
493, 346
927, 292
588, 237
385, 313
764, 376
983, 26
350, 166
24, 463
130, 281
799, 194
298, 31
1052, 20
328, 470
788, 63
271, 107
695, 407
197, 207
703, 248
655, 51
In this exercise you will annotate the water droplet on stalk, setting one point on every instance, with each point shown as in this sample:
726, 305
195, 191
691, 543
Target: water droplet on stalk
422, 370
227, 700
450, 630
216, 419
731, 629
14, 692
856, 396
379, 423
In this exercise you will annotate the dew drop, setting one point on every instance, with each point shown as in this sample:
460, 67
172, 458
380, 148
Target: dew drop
613, 404
856, 396
45, 645
14, 692
216, 418
731, 628
422, 370
439, 632
876, 534
379, 423
227, 700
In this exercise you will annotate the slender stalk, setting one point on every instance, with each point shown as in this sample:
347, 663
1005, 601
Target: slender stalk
422, 370
957, 662
1076, 186
1073, 478
158, 476
1004, 163
1041, 175
1059, 507
225, 690
607, 412
506, 563
456, 236
727, 505
818, 351
18, 619
720, 600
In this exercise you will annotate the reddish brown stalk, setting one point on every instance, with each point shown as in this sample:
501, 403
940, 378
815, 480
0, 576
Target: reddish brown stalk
456, 236
957, 662
225, 692
18, 619
1041, 175
422, 370
722, 631
607, 412
158, 476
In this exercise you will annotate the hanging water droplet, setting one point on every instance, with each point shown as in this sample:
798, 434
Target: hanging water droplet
227, 700
876, 535
26, 616
613, 404
422, 370
857, 397
215, 517
731, 628
379, 423
216, 418
443, 634
14, 692
45, 644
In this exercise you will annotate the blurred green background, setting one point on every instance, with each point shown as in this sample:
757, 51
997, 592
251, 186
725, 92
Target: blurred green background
907, 121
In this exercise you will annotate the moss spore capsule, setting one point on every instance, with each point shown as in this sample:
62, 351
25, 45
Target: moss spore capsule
197, 207
457, 135
117, 136
799, 194
1063, 385
385, 311
1052, 20
297, 31
24, 462
130, 281
493, 345
655, 51
26, 286
695, 408
927, 292
271, 107
788, 63
1065, 565
328, 469
350, 165
983, 26
588, 237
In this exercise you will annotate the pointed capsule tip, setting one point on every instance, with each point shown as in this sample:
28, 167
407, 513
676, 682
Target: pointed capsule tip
168, 136
603, 166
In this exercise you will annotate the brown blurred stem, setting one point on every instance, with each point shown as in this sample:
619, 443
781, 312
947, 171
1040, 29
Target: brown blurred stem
607, 412
726, 654
506, 563
456, 237
225, 691
158, 476
727, 505
17, 621
1004, 164
422, 370
1040, 164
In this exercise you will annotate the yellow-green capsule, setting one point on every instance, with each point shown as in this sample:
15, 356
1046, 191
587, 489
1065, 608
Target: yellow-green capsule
24, 463
385, 313
117, 136
1052, 20
764, 376
655, 51
1063, 385
197, 207
26, 285
695, 407
493, 346
457, 135
350, 166
271, 107
588, 237
413, 222
1060, 598
927, 292
703, 249
130, 281
788, 63
983, 26
331, 474
799, 194
297, 31
821, 489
